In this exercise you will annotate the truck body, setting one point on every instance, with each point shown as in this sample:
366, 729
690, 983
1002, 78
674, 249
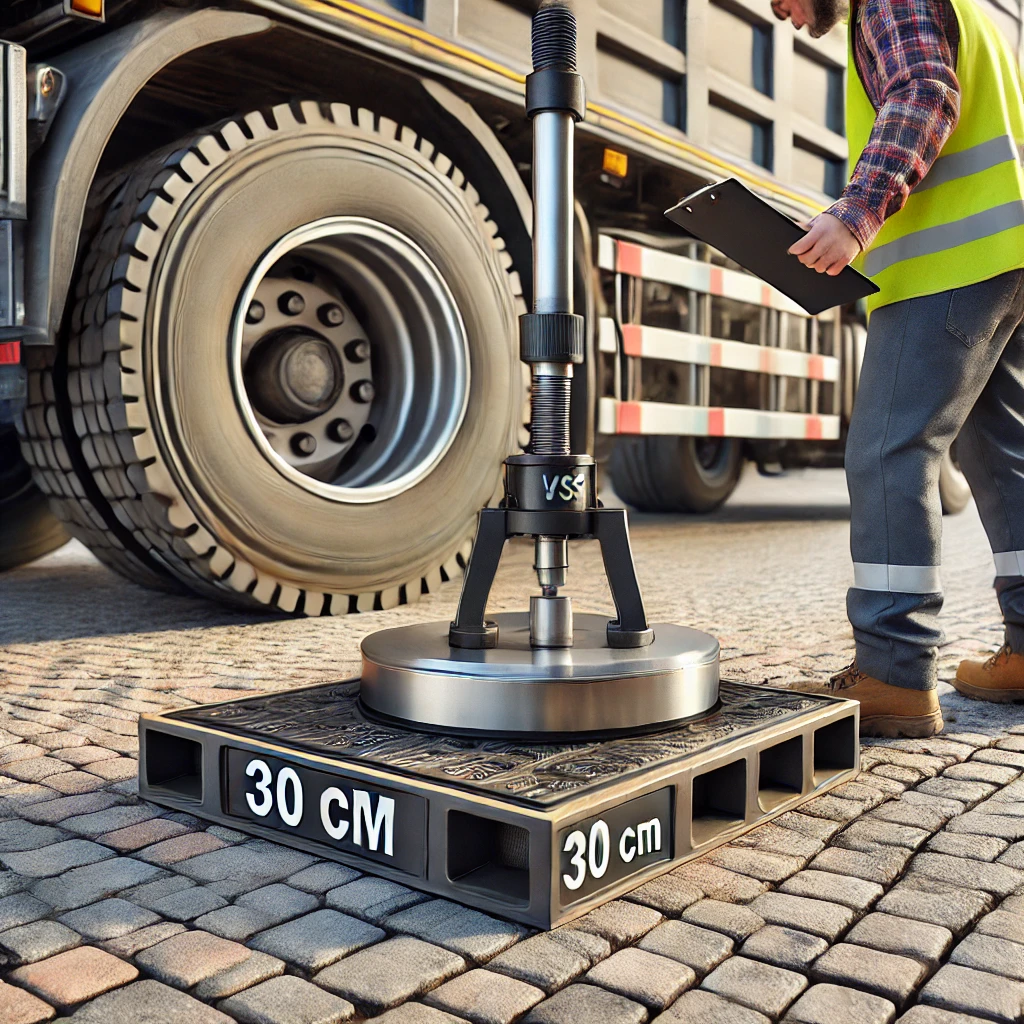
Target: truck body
260, 264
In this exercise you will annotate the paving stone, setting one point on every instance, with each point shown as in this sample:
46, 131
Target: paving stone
148, 893
832, 807
185, 959
280, 901
417, 1013
229, 835
108, 919
321, 878
975, 992
700, 1007
484, 997
1000, 825
116, 769
170, 851
784, 947
656, 981
1012, 857
188, 904
719, 884
699, 948
75, 976
767, 867
64, 808
541, 960
20, 1007
372, 898
834, 1004
962, 845
907, 776
234, 870
36, 769
577, 1003
933, 1015
883, 865
466, 932
925, 899
859, 789
388, 973
95, 823
887, 975
729, 918
31, 942
232, 922
1003, 925
821, 829
923, 763
79, 886
988, 953
586, 944
318, 939
997, 879
885, 783
17, 835
868, 834
762, 987
667, 894
134, 837
1013, 905
22, 798
824, 885
945, 805
81, 755
621, 923
902, 812
918, 940
75, 782
1001, 757
56, 859
827, 920
287, 1000
148, 1002
968, 792
978, 771
126, 946
21, 908
11, 882
251, 971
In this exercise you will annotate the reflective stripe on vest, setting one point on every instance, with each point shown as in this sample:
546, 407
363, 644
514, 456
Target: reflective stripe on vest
897, 579
1009, 563
971, 161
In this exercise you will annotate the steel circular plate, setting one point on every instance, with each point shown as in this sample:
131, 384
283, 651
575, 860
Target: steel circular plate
410, 673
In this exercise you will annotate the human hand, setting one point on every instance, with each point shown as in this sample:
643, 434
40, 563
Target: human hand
828, 246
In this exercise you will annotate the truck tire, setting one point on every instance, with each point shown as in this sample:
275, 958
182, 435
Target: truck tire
659, 473
268, 373
954, 490
28, 529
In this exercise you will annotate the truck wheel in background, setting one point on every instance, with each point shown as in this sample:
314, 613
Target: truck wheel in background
660, 473
954, 490
291, 377
28, 529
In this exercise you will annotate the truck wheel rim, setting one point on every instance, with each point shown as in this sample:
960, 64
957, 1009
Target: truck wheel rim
349, 360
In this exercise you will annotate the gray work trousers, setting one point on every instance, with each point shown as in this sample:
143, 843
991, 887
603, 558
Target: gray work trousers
936, 369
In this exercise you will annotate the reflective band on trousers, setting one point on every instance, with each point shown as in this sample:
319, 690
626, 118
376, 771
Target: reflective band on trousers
970, 161
945, 236
897, 579
1009, 563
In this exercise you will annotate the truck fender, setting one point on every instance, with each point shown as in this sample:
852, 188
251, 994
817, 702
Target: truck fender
103, 77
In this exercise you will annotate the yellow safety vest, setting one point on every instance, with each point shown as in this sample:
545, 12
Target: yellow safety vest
964, 222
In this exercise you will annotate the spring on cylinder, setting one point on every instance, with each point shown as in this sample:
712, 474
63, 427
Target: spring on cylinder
549, 415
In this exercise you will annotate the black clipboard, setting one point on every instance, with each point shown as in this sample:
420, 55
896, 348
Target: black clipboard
731, 219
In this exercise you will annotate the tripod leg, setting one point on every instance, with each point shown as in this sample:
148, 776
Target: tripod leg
470, 630
630, 628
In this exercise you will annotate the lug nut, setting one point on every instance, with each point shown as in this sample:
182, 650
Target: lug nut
362, 391
304, 444
330, 314
291, 303
255, 313
358, 350
340, 431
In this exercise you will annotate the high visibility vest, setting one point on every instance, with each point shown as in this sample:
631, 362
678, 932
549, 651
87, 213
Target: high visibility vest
964, 222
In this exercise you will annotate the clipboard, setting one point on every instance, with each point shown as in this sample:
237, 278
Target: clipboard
731, 219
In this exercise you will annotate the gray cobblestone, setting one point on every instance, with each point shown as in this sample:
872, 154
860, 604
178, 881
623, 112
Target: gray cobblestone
484, 997
279, 901
832, 807
700, 1007
927, 943
668, 894
762, 987
287, 1000
185, 959
10, 883
784, 947
773, 838
170, 851
644, 977
861, 790
232, 922
1008, 758
968, 792
978, 771
933, 1015
149, 893
916, 815
1003, 925
822, 829
828, 920
17, 835
319, 878
868, 834
586, 1002
544, 962
417, 1013
148, 1001
883, 865
234, 870
36, 941
619, 922
962, 845
767, 867
887, 975
997, 879
719, 884
56, 859
79, 886
988, 953
975, 992
926, 764
384, 975
1013, 856
464, 931
108, 919
729, 918
95, 823
57, 811
925, 899
316, 940
699, 948
188, 904
372, 898
134, 942
824, 885
835, 1004
134, 837
36, 769
255, 968
586, 944
999, 825
21, 908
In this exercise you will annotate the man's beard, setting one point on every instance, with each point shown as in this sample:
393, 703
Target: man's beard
827, 14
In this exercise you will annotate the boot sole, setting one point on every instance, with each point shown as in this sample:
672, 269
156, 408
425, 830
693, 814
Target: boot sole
893, 726
987, 693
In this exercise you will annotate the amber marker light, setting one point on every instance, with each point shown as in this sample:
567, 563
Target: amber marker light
615, 163
91, 9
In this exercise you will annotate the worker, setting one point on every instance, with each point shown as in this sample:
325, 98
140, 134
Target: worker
934, 215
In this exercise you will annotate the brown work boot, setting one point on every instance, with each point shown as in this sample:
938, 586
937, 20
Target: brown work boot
1001, 678
886, 710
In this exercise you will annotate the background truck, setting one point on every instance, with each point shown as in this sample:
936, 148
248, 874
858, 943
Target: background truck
260, 263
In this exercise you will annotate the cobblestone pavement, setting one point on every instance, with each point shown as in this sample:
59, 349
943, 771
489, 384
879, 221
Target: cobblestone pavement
899, 896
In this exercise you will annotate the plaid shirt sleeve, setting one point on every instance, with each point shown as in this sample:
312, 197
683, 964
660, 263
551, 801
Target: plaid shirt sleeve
904, 54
